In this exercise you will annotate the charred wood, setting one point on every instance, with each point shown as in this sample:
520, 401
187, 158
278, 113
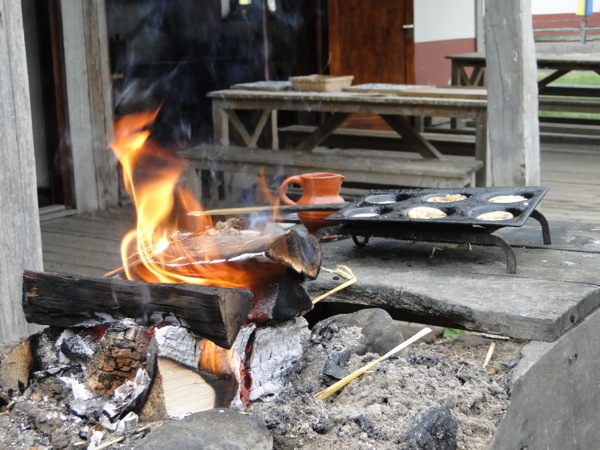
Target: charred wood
301, 253
69, 301
279, 301
123, 350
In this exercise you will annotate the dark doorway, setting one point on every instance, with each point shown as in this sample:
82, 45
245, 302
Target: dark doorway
43, 46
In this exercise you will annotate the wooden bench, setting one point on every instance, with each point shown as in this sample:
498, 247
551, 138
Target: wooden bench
368, 168
570, 90
446, 142
569, 104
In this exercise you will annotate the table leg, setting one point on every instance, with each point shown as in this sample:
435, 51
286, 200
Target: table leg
239, 126
550, 78
478, 76
456, 74
274, 130
412, 137
321, 133
220, 124
459, 75
481, 148
260, 126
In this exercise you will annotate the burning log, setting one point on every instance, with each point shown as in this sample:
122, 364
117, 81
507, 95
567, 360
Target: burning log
69, 301
301, 253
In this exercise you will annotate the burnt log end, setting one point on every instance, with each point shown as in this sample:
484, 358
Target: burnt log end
213, 313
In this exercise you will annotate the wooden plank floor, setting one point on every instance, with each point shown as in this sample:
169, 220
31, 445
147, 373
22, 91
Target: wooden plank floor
88, 244
573, 175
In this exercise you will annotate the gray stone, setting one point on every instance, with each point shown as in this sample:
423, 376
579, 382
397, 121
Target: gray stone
554, 288
380, 332
555, 397
210, 430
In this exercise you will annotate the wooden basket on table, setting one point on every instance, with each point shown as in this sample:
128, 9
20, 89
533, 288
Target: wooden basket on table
321, 83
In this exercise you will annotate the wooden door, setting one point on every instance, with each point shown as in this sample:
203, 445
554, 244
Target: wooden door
372, 40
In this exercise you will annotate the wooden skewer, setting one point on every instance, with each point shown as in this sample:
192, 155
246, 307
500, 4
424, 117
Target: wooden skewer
110, 442
357, 373
490, 352
134, 259
344, 272
231, 211
281, 209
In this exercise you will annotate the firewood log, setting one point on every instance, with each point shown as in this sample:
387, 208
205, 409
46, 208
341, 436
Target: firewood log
68, 301
299, 252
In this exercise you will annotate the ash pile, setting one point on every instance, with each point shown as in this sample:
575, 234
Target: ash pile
433, 395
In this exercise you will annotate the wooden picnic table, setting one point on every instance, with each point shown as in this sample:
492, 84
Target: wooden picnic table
559, 63
392, 102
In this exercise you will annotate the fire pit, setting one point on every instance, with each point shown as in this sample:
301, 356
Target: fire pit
202, 303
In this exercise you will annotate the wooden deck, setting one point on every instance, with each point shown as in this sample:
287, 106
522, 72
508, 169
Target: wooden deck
88, 244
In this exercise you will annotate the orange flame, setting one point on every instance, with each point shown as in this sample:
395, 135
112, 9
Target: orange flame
214, 359
161, 247
154, 251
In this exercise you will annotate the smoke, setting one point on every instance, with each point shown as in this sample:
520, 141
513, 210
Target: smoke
173, 52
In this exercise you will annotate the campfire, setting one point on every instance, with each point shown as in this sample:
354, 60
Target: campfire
203, 315
220, 303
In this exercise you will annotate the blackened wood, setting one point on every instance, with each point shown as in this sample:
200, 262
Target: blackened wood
65, 300
302, 253
279, 301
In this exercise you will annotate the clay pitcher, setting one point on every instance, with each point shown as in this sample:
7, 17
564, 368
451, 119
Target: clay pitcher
318, 188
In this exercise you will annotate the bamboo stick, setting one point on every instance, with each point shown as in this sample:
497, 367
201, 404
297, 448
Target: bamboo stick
357, 373
280, 209
490, 352
342, 271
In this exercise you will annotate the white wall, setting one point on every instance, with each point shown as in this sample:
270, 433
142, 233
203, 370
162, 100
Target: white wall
438, 20
558, 6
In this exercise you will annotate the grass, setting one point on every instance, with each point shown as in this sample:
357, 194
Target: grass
588, 78
576, 77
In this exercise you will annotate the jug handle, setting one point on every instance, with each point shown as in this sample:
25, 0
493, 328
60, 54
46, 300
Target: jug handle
282, 195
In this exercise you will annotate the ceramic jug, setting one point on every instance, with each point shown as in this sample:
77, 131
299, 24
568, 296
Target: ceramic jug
318, 188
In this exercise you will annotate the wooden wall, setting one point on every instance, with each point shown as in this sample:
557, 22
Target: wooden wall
511, 72
20, 241
89, 104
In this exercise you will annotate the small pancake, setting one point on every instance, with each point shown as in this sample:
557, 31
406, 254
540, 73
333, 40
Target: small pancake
366, 214
495, 215
507, 199
384, 202
447, 198
424, 212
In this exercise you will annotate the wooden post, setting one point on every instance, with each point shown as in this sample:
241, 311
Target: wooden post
512, 94
20, 238
89, 104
